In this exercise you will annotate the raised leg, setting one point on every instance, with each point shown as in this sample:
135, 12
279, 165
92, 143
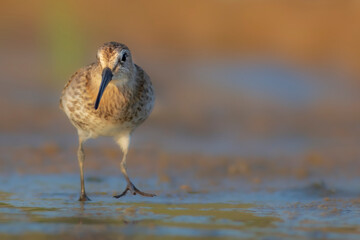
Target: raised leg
81, 158
124, 145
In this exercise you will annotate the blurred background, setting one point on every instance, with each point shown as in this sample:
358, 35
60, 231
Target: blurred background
257, 118
244, 88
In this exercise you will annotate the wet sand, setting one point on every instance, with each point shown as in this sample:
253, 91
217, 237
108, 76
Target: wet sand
45, 205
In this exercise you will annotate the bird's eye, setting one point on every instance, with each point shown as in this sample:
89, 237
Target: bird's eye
123, 58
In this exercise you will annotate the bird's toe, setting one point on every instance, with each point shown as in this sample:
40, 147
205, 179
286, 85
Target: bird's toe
84, 197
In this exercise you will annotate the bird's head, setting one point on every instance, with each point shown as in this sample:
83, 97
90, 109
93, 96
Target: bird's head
116, 65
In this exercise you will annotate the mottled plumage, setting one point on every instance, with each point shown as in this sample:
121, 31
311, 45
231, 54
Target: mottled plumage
125, 100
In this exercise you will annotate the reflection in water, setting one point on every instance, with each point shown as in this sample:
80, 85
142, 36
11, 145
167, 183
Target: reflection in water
233, 213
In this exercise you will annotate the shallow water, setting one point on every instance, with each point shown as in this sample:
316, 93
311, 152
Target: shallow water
37, 206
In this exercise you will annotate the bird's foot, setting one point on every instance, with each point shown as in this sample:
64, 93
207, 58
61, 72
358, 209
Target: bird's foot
131, 187
84, 197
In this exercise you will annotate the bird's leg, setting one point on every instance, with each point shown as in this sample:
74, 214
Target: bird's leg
130, 186
81, 157
124, 144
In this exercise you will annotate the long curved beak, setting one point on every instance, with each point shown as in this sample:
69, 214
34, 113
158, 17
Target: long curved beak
106, 78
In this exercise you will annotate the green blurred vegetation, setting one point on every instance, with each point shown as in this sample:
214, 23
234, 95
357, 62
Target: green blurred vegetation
65, 40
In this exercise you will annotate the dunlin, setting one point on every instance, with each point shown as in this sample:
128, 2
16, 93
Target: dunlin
109, 97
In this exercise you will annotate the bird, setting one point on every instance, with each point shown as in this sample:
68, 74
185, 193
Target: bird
110, 97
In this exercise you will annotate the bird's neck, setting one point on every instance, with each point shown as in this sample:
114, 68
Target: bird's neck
125, 81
